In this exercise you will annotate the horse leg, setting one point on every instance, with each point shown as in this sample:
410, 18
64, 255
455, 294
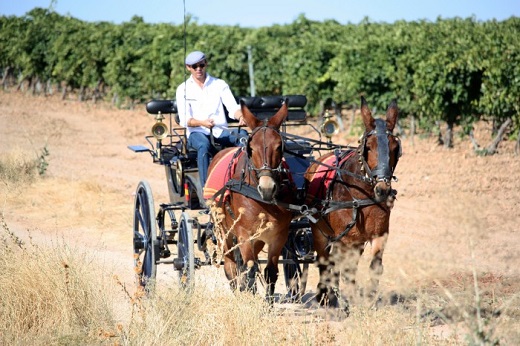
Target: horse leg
347, 261
322, 256
230, 267
249, 267
271, 268
376, 264
323, 285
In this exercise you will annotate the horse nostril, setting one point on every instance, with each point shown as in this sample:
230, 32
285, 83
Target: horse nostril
381, 192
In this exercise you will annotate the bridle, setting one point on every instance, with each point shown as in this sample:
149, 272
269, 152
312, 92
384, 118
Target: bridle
266, 169
382, 172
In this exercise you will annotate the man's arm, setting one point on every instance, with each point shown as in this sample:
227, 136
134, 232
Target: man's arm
231, 104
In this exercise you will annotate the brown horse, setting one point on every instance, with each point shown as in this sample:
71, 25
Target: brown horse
246, 211
352, 192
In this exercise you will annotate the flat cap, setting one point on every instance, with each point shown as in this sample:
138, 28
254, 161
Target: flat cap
195, 57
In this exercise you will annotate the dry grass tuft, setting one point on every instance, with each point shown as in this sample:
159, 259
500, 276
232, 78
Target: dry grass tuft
50, 295
58, 295
18, 167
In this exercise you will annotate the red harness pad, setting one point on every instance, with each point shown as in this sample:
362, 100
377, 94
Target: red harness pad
222, 171
322, 178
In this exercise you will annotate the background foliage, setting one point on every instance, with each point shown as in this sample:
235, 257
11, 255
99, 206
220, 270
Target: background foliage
453, 70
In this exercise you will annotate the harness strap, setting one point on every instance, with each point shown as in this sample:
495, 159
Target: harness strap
337, 169
337, 205
326, 229
249, 191
348, 227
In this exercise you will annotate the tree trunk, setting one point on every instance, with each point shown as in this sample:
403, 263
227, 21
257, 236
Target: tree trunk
5, 77
97, 92
448, 137
81, 94
48, 89
517, 146
440, 140
412, 129
492, 148
64, 91
476, 146
33, 86
115, 99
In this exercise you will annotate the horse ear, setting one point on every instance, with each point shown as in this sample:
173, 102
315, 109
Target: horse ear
391, 115
277, 119
366, 114
250, 119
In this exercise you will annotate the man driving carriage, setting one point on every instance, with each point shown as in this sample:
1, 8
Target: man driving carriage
200, 103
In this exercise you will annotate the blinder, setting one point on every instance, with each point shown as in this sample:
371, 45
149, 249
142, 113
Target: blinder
382, 171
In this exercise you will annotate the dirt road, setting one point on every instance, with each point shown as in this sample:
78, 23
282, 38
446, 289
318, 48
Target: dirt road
455, 211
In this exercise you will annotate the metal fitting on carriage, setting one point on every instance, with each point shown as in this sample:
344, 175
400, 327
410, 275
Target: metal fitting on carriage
159, 129
304, 210
330, 127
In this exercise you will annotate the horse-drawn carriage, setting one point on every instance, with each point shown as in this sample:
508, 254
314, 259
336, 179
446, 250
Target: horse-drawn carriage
300, 196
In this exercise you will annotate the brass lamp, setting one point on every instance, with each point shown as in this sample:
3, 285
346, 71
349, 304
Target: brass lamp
330, 127
159, 129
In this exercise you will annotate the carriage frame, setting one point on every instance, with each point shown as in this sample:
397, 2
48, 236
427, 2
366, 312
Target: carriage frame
169, 235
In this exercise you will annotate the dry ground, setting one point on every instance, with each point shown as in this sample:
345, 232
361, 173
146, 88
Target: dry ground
456, 212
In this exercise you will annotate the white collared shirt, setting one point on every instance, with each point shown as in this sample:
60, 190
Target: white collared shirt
205, 103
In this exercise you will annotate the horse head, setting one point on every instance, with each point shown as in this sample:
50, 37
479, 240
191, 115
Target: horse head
380, 150
265, 150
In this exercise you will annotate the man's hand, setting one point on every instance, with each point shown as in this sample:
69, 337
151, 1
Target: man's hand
240, 117
209, 123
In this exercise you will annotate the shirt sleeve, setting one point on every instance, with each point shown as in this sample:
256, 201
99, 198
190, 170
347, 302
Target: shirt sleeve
229, 101
181, 106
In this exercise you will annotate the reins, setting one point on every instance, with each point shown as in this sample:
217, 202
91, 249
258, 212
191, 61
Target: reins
328, 205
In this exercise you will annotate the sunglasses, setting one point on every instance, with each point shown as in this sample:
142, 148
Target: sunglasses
194, 66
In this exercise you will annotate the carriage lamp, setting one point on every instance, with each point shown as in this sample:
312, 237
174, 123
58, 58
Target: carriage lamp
330, 127
159, 129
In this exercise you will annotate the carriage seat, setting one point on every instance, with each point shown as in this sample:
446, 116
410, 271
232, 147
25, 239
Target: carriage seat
162, 106
264, 107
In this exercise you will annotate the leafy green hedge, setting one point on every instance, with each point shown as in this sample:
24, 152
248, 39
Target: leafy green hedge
454, 70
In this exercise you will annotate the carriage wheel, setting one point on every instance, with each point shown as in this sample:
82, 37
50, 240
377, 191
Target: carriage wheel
295, 276
146, 245
185, 252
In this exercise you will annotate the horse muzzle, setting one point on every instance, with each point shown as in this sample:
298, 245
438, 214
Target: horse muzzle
383, 193
267, 187
382, 190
